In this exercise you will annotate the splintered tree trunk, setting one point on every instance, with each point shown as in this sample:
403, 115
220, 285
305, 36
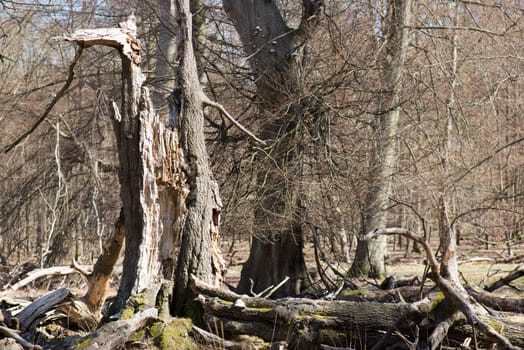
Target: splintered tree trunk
156, 177
369, 258
276, 252
137, 176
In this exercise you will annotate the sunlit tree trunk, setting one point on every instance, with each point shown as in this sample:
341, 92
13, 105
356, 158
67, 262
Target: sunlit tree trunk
370, 255
199, 253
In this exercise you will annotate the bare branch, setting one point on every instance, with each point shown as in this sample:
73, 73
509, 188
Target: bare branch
13, 334
448, 289
474, 29
517, 273
207, 102
50, 106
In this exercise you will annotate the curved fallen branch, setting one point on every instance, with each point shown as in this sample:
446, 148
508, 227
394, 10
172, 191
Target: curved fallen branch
50, 271
450, 291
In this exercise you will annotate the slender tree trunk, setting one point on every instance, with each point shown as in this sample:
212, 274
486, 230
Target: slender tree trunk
370, 255
164, 81
199, 253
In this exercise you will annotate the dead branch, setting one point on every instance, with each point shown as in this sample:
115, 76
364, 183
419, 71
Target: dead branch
450, 291
433, 264
13, 334
53, 102
496, 302
441, 330
40, 306
208, 102
517, 273
113, 334
50, 271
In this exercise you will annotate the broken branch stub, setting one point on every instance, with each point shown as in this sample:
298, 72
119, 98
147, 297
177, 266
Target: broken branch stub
123, 39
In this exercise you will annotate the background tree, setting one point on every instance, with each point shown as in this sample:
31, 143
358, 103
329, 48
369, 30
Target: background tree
369, 256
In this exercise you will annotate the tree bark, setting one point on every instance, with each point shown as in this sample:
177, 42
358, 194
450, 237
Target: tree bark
369, 257
274, 50
199, 253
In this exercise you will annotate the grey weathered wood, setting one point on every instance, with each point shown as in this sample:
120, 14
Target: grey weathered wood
40, 306
153, 184
114, 334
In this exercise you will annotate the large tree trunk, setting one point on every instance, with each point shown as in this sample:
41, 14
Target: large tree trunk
274, 51
370, 255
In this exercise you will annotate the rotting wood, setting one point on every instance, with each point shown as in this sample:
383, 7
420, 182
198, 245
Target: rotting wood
306, 323
98, 280
38, 308
114, 334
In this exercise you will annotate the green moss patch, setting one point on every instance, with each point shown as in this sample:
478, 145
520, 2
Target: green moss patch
175, 335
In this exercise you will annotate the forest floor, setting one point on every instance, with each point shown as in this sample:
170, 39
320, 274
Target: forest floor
477, 265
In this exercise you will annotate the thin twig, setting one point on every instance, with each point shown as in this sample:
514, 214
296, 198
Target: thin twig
50, 106
277, 287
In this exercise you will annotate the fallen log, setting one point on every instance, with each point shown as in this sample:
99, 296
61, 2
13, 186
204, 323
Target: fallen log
407, 294
307, 324
496, 302
114, 334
